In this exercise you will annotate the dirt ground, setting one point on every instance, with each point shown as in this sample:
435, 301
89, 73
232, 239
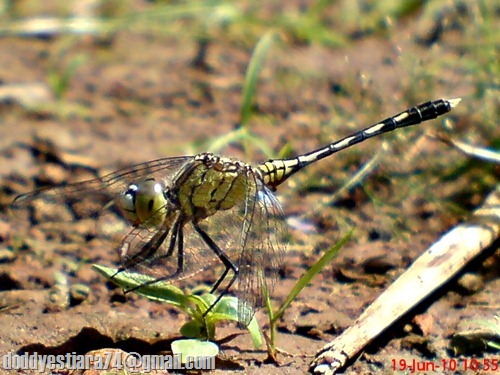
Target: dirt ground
136, 95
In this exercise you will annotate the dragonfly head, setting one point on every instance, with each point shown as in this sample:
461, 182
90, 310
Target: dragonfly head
144, 203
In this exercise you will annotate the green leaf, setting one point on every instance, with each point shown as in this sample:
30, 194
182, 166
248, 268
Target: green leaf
201, 302
194, 329
227, 309
194, 348
255, 333
160, 291
227, 306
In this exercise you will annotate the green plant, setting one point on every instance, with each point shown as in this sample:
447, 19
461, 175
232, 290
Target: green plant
60, 75
201, 326
242, 133
274, 316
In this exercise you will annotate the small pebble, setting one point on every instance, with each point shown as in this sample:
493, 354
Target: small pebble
6, 256
79, 293
471, 282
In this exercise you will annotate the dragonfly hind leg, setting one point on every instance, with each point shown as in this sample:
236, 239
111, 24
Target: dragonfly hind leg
227, 263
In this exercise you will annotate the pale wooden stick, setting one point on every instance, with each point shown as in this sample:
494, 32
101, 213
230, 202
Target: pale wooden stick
470, 150
431, 270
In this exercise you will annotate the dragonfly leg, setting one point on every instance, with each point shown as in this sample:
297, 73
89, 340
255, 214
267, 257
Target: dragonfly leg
225, 260
177, 237
147, 251
220, 280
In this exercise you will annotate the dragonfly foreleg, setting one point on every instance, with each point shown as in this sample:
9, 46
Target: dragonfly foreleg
176, 238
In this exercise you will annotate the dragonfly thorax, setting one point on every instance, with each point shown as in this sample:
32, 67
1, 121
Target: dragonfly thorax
144, 203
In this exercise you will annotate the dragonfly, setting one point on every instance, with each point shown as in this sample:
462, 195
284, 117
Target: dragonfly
182, 215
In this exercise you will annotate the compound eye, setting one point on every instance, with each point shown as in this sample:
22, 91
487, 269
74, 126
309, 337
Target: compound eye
129, 197
158, 188
126, 202
144, 203
132, 189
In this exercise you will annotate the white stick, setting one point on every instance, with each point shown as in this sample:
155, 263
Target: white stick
431, 270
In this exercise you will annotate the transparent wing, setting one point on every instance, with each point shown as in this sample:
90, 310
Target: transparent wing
263, 248
144, 247
156, 252
86, 199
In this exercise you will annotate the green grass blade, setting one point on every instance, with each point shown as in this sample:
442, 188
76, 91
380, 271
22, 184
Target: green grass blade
252, 75
308, 276
240, 135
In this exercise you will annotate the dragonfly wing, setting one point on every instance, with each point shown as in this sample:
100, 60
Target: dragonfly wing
145, 246
262, 250
86, 199
155, 252
63, 203
161, 169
